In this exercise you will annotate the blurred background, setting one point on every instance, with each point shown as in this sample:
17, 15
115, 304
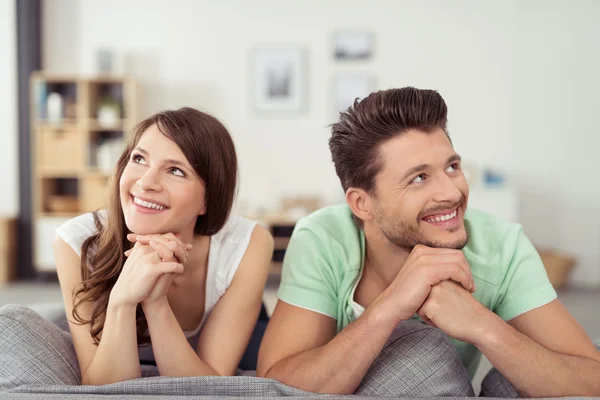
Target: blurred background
520, 79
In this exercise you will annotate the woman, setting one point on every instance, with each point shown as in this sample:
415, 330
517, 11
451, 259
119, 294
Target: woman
165, 263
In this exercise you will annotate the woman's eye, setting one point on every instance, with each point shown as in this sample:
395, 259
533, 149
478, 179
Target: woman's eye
138, 159
177, 172
419, 178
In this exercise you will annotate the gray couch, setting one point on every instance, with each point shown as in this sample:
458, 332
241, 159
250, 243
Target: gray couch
29, 370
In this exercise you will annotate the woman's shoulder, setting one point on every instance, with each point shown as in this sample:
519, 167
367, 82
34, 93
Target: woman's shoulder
236, 230
78, 229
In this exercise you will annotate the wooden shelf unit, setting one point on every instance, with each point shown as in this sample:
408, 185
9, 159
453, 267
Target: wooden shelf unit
66, 179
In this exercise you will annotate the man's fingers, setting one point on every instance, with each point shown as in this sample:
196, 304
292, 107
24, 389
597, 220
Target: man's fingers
455, 257
451, 271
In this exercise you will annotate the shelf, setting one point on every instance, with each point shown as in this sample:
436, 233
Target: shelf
60, 214
95, 174
280, 242
65, 155
57, 173
65, 123
69, 173
95, 126
276, 268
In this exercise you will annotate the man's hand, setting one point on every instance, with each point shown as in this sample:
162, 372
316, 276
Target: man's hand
425, 268
455, 311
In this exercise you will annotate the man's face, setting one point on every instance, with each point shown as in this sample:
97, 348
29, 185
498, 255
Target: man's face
421, 193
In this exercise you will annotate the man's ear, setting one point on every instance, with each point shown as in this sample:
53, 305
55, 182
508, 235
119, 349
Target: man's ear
360, 203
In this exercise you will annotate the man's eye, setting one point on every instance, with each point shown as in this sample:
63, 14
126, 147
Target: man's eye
419, 178
452, 168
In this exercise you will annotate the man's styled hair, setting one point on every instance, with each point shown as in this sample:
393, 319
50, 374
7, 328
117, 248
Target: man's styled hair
381, 116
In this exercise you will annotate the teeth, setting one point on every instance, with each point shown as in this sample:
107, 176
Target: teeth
443, 217
147, 204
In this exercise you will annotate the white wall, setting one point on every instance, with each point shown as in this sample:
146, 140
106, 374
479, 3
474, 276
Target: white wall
9, 204
504, 68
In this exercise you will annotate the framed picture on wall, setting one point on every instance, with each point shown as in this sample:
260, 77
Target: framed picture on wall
278, 79
347, 88
352, 44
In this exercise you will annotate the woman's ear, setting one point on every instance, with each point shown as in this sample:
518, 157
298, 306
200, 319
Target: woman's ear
360, 203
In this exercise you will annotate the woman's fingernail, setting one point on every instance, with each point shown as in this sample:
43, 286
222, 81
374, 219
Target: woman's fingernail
189, 246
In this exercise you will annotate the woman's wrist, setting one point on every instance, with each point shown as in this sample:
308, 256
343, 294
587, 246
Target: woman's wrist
155, 305
116, 303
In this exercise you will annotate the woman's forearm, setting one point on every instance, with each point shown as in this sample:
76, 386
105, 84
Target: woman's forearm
173, 354
117, 357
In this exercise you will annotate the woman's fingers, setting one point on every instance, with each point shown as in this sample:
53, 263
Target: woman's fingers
163, 251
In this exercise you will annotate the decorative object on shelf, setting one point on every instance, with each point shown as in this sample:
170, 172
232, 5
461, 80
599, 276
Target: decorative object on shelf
352, 44
62, 204
108, 153
104, 61
558, 266
54, 108
493, 178
278, 74
347, 88
109, 112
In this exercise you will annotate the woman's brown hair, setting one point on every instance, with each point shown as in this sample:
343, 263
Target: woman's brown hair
209, 149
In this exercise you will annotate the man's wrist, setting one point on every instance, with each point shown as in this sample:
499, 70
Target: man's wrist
488, 331
380, 316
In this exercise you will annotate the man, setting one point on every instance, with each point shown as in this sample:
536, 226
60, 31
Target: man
405, 245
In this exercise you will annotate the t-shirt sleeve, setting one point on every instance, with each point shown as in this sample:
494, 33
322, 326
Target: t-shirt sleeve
307, 279
525, 285
76, 230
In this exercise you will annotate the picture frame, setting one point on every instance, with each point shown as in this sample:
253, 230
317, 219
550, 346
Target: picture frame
353, 44
346, 88
278, 74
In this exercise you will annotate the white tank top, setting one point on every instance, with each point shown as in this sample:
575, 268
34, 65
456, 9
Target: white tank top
227, 247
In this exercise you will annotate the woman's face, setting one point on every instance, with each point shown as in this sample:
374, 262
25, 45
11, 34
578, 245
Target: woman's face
160, 191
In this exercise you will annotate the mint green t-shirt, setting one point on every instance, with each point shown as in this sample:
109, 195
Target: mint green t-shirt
325, 257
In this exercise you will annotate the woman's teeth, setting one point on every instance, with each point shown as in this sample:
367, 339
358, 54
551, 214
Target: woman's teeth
148, 204
441, 218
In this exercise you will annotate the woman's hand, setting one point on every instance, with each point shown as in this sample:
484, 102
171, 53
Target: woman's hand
139, 275
170, 248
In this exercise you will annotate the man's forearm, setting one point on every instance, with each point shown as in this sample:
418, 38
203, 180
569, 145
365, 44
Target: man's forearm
339, 366
173, 354
534, 370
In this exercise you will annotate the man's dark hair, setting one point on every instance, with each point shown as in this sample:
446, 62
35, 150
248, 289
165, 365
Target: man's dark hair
381, 116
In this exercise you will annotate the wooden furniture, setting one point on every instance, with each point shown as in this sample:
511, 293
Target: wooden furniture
281, 229
281, 224
78, 127
8, 250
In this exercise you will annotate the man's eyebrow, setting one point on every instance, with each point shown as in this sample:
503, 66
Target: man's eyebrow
455, 157
414, 170
423, 167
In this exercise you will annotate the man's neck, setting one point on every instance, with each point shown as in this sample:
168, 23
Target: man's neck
383, 259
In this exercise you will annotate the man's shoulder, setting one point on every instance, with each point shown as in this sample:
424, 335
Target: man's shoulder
334, 222
492, 240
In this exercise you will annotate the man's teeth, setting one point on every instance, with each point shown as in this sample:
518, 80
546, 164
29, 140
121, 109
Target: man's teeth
147, 204
442, 218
